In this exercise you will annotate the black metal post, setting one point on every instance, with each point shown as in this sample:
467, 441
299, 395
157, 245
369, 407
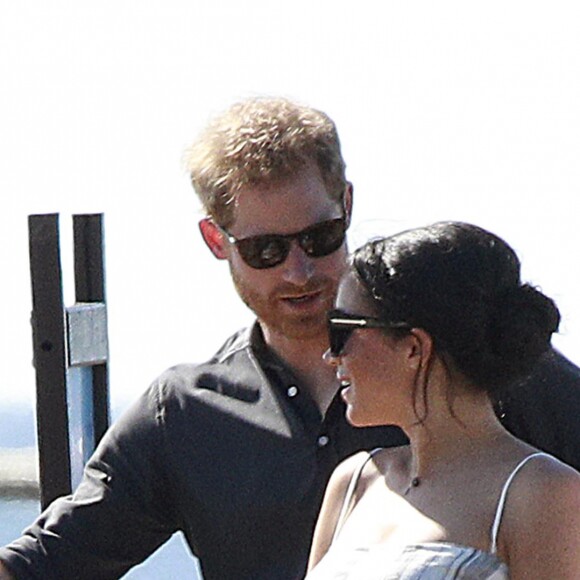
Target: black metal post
49, 357
89, 260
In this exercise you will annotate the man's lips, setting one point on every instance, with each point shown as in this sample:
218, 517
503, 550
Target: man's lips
302, 297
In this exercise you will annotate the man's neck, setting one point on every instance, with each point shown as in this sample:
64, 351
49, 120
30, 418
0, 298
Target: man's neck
304, 357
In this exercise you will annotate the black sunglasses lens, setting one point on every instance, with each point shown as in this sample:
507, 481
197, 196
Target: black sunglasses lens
338, 337
323, 239
268, 251
262, 252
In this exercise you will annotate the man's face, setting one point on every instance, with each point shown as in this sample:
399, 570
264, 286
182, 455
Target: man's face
292, 298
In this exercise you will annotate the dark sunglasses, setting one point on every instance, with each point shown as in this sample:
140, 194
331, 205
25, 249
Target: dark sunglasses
341, 326
269, 250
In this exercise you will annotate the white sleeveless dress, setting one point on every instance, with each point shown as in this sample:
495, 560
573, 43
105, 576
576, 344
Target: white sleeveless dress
423, 561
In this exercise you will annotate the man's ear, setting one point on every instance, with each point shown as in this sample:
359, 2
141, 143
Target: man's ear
347, 202
213, 237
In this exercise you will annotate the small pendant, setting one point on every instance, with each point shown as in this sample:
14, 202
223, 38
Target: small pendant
415, 482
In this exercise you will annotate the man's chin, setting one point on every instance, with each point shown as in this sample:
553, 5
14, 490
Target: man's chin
297, 329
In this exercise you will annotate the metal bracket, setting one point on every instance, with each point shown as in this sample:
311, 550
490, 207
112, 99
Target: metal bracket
86, 325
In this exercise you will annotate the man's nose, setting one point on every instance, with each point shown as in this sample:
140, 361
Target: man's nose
298, 267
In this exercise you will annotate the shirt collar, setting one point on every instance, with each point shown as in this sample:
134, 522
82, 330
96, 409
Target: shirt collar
265, 355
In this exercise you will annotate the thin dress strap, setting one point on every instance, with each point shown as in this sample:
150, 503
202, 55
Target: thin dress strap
503, 495
345, 509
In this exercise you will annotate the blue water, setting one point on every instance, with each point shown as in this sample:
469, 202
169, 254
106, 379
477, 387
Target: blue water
171, 561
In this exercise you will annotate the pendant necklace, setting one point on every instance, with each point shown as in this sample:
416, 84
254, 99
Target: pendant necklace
415, 482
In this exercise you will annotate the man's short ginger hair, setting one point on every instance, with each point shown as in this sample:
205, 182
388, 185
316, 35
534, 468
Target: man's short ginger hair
262, 140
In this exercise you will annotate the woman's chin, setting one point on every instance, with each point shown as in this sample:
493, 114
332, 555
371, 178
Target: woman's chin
357, 419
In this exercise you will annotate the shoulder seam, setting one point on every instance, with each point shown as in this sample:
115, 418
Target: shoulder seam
240, 343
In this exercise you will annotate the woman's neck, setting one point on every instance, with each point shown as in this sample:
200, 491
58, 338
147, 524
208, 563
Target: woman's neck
451, 430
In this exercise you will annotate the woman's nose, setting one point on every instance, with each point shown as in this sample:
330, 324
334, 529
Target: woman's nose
330, 359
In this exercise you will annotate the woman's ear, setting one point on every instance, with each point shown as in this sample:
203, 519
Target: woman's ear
213, 237
421, 348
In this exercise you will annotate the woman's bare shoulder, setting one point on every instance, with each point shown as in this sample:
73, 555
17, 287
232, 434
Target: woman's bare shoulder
544, 484
542, 520
548, 479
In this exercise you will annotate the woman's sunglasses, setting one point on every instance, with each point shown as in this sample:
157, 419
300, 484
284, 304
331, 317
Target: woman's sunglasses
341, 326
269, 250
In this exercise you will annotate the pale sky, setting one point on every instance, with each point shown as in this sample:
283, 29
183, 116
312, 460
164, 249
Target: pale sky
446, 110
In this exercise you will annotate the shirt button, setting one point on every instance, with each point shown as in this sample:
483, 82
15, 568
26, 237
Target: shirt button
323, 441
292, 391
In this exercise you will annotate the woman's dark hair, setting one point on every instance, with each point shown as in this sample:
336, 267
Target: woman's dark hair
461, 284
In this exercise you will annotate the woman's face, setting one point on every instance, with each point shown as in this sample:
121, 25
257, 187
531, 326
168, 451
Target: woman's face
377, 368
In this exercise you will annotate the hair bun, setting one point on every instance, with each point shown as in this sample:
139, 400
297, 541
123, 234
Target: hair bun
462, 285
522, 324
